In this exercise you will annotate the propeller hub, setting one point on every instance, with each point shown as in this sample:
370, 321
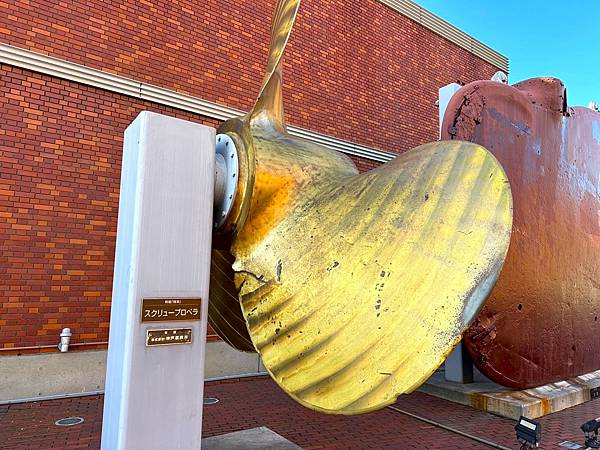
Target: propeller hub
226, 178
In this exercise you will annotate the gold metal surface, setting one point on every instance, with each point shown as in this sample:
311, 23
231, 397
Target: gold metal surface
354, 287
172, 336
224, 312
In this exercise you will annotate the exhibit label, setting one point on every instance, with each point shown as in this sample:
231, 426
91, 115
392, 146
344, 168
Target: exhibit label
168, 337
170, 309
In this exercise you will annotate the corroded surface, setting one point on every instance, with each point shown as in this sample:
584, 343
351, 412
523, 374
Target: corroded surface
540, 324
502, 401
353, 288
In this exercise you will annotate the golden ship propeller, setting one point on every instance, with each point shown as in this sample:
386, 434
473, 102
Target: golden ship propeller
353, 288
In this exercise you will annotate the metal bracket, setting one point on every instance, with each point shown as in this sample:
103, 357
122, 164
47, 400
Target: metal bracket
226, 178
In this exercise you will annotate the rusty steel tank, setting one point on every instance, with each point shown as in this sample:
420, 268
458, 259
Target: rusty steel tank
541, 323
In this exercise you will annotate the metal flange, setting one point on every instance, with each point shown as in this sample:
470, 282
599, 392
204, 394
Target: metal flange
226, 178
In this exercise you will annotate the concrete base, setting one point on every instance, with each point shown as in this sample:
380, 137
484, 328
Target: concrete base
487, 396
254, 439
48, 374
223, 361
72, 373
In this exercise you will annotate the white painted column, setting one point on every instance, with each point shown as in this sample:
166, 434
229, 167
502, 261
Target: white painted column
153, 394
445, 93
458, 365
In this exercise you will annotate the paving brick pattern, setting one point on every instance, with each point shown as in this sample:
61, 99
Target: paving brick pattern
255, 402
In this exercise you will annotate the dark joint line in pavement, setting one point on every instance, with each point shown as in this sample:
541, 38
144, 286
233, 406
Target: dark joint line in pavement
447, 428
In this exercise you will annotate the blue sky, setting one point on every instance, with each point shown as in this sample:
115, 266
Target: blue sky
540, 38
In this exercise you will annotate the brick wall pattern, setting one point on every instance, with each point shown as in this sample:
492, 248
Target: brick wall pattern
355, 70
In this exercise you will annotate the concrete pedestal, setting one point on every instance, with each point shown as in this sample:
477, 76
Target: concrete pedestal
536, 402
154, 382
253, 439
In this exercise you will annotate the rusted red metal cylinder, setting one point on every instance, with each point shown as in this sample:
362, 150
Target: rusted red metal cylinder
541, 323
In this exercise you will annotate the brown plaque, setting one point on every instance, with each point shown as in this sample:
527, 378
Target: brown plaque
170, 309
168, 337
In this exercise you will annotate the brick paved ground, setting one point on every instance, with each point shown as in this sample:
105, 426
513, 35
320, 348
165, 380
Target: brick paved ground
257, 402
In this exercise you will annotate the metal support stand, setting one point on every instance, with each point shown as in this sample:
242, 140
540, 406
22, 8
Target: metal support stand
155, 372
458, 366
445, 93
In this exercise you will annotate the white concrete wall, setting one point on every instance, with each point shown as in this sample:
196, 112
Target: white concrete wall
58, 374
32, 376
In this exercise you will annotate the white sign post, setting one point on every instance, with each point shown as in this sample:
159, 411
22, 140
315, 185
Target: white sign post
155, 372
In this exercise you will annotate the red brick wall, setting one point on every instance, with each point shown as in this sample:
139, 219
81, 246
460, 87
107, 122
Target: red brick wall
60, 159
373, 81
354, 69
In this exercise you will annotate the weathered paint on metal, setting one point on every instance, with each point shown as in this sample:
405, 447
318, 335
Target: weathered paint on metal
541, 323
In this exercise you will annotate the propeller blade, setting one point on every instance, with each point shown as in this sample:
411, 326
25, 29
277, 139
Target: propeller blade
353, 287
269, 104
224, 313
